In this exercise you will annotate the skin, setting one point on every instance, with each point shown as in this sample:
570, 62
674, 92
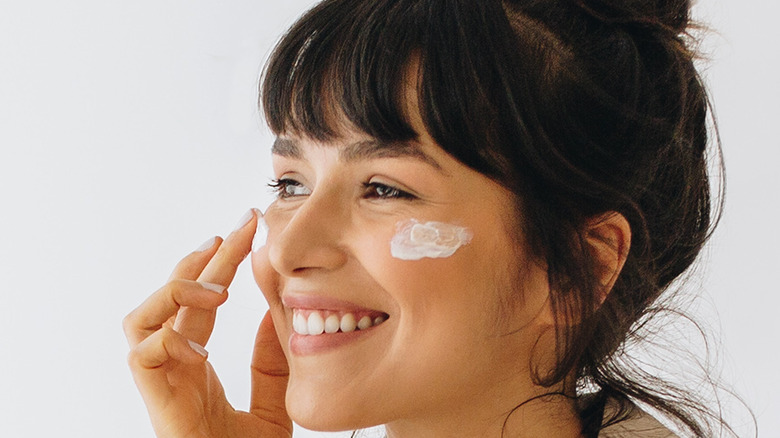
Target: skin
453, 359
180, 388
464, 362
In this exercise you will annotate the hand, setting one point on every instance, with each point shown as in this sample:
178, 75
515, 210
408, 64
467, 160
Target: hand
166, 334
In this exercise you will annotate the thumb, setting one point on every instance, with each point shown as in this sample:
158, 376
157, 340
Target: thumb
269, 376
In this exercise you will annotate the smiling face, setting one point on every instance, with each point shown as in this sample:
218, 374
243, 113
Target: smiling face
438, 341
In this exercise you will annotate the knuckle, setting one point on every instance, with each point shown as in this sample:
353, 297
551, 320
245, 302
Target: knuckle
133, 358
174, 291
168, 336
177, 284
164, 334
128, 323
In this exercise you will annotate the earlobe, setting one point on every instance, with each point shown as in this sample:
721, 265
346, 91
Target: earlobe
609, 239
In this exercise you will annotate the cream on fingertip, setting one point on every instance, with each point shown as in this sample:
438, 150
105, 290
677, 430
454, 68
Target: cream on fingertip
207, 244
198, 348
218, 288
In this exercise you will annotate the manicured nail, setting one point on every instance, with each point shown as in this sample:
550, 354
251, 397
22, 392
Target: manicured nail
261, 234
245, 219
207, 244
198, 348
213, 287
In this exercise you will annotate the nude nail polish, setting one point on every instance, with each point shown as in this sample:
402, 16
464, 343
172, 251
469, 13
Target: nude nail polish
245, 219
198, 348
207, 244
218, 288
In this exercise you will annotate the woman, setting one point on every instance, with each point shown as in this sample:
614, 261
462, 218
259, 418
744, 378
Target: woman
478, 204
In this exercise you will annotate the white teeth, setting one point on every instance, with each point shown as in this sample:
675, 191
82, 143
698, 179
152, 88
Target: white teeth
316, 324
365, 322
299, 324
348, 323
332, 323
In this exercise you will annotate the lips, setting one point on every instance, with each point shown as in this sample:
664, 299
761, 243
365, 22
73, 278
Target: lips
322, 323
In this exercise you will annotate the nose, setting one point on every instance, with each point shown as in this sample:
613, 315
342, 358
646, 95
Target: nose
310, 238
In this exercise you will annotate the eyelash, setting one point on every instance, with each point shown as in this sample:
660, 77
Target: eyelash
371, 190
280, 186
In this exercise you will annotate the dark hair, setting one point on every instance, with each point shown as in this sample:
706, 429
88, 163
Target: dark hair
579, 107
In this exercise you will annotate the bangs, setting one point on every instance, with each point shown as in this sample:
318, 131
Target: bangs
349, 64
345, 61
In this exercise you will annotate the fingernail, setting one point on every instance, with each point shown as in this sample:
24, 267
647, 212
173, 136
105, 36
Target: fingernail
207, 244
213, 287
245, 219
198, 348
261, 234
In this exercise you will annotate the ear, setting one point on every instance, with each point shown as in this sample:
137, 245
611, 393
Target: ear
609, 239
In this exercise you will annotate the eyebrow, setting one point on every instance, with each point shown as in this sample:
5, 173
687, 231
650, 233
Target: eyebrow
361, 150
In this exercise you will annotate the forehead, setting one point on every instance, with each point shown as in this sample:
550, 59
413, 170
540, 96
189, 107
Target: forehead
360, 150
320, 70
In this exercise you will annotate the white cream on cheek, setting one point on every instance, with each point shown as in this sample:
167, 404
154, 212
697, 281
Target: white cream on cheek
415, 240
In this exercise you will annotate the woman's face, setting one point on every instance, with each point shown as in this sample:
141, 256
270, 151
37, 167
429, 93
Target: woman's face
454, 334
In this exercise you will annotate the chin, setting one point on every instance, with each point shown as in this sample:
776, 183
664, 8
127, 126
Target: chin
326, 413
330, 419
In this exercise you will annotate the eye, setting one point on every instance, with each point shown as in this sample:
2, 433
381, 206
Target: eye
288, 188
382, 191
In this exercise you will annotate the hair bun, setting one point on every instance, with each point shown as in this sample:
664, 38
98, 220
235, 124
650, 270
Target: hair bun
669, 15
665, 17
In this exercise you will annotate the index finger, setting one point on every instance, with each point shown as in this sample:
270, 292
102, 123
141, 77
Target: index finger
191, 266
196, 324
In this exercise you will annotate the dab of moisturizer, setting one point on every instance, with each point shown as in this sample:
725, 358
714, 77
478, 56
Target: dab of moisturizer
415, 240
261, 234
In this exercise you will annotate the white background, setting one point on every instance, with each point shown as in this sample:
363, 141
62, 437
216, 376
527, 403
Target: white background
129, 135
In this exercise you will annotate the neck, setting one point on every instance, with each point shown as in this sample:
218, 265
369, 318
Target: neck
543, 415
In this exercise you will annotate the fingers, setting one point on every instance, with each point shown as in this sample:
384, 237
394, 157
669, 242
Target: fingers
269, 376
190, 267
162, 346
148, 358
222, 267
152, 314
197, 323
168, 330
182, 292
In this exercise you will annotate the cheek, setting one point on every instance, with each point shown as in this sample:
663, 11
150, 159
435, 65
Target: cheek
436, 295
415, 240
420, 270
